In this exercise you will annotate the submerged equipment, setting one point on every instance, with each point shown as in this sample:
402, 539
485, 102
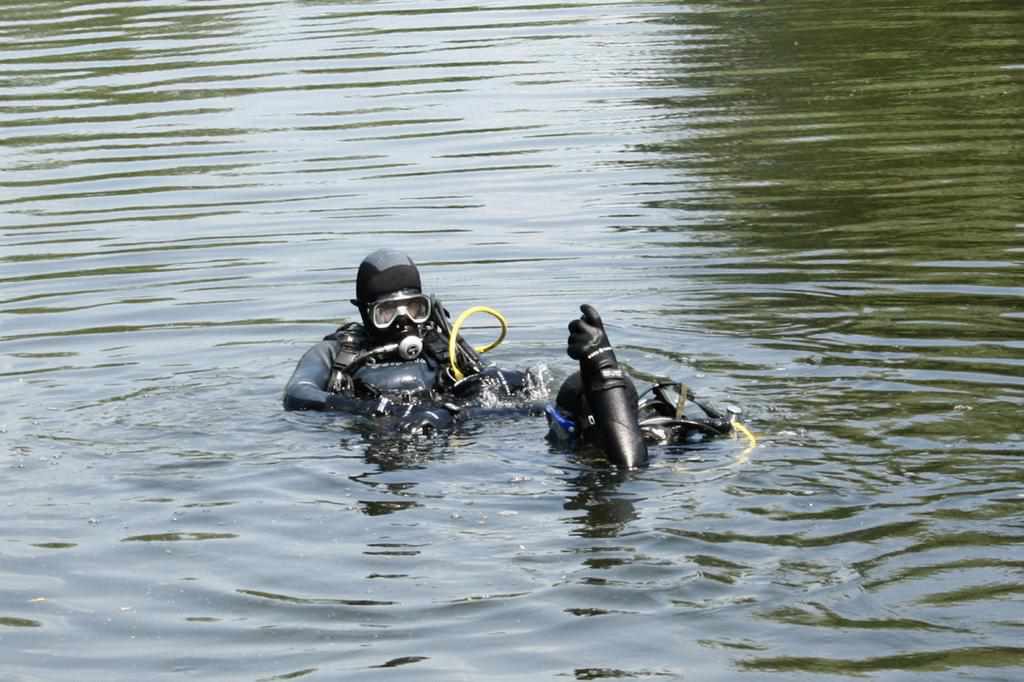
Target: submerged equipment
668, 410
665, 400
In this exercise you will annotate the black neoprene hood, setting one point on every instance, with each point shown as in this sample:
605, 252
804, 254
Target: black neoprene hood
568, 399
384, 272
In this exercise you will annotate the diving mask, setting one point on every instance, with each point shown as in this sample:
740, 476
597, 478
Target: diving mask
561, 427
384, 312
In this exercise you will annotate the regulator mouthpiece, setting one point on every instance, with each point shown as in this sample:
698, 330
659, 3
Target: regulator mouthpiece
410, 347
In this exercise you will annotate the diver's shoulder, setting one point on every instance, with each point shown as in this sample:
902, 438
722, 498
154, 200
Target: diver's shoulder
349, 333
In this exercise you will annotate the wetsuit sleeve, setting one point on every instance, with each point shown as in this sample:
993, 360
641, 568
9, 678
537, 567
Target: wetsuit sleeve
306, 390
615, 413
610, 394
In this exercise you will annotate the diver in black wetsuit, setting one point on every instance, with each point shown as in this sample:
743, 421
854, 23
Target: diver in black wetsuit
396, 365
599, 404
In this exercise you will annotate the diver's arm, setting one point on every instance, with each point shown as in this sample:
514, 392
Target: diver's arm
610, 394
617, 417
306, 390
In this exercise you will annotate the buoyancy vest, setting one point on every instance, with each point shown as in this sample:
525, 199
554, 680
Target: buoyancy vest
407, 380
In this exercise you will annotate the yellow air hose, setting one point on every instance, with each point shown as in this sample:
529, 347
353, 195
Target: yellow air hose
453, 339
744, 456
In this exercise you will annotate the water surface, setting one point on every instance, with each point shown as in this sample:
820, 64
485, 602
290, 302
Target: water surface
811, 211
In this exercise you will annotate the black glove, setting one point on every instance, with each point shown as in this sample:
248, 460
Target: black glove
588, 343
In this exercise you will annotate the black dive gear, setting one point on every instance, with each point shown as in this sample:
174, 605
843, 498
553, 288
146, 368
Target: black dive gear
409, 348
388, 369
389, 390
609, 394
662, 415
415, 396
426, 343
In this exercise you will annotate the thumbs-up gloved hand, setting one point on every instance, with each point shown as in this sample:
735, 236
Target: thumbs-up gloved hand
588, 343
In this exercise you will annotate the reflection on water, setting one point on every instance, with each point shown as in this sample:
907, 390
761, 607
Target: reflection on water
812, 211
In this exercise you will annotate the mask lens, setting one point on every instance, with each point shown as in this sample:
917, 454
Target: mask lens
419, 309
384, 313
